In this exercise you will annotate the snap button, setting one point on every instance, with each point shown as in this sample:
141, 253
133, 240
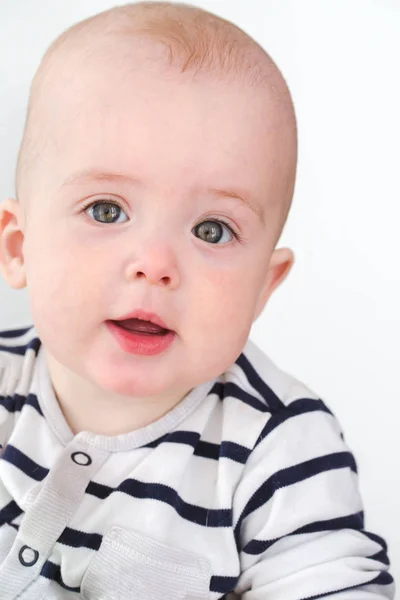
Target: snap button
28, 556
81, 458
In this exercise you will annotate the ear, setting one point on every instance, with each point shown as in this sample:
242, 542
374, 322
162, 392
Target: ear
11, 242
280, 265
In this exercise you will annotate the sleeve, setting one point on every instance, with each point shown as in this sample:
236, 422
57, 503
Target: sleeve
6, 424
298, 515
8, 380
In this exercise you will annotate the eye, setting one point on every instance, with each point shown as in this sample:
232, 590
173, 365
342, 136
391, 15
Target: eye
104, 211
212, 230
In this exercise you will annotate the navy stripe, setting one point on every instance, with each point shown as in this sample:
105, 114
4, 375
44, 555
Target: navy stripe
190, 438
22, 350
12, 333
12, 403
381, 557
235, 452
273, 402
158, 441
25, 464
80, 539
53, 572
354, 521
223, 585
235, 391
291, 475
32, 400
16, 402
376, 538
10, 512
218, 584
207, 450
163, 493
231, 390
99, 490
295, 408
226, 449
384, 578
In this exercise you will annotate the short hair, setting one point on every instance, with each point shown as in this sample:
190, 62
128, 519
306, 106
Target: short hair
196, 41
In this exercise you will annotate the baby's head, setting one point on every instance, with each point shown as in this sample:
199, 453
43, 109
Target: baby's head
148, 124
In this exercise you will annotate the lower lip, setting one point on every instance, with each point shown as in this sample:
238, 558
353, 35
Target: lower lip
136, 343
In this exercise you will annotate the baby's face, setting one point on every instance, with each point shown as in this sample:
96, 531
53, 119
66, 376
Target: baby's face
158, 145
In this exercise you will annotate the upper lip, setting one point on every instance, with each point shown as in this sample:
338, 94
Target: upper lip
145, 316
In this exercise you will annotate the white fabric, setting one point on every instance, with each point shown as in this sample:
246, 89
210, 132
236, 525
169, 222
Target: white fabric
246, 489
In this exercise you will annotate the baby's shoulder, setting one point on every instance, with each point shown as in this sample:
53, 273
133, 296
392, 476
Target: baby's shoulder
262, 397
18, 352
257, 374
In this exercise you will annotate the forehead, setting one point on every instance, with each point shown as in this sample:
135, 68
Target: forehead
135, 116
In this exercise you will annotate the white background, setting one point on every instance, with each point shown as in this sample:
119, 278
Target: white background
334, 323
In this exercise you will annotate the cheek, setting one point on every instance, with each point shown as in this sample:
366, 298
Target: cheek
62, 281
227, 298
221, 318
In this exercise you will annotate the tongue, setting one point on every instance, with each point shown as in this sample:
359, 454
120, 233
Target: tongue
141, 326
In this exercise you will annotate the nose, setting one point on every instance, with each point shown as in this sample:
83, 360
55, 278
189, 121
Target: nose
156, 265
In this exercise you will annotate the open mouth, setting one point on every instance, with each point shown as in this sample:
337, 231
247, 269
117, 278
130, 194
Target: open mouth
141, 337
141, 327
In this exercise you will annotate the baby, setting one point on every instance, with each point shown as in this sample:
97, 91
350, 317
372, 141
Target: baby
150, 450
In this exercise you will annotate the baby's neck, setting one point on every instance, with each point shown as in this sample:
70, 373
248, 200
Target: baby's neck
88, 409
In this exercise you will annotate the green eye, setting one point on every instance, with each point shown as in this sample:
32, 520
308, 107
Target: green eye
212, 230
105, 212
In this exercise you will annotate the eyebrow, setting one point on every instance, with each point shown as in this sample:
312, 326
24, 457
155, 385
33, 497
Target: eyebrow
95, 175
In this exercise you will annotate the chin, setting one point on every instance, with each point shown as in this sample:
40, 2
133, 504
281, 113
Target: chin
128, 385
